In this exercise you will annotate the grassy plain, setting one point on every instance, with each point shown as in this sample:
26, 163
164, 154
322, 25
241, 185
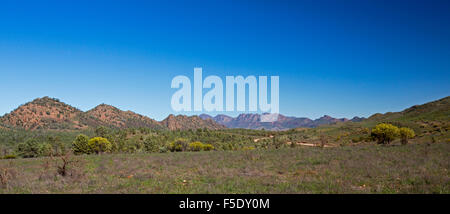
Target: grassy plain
413, 168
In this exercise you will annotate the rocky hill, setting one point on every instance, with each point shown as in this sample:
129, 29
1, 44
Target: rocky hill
47, 113
183, 122
112, 116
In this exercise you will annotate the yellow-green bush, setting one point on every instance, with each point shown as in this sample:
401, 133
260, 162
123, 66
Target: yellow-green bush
196, 146
405, 134
384, 133
199, 146
178, 145
99, 145
208, 147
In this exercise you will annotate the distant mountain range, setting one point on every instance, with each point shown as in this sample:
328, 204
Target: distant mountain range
253, 121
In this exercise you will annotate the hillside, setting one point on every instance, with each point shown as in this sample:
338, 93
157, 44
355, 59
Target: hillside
112, 116
430, 121
183, 122
438, 110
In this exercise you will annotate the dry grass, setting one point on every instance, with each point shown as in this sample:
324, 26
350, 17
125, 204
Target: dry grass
416, 168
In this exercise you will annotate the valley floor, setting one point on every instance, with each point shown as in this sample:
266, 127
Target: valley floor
415, 168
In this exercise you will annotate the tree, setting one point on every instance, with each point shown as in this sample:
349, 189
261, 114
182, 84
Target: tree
99, 145
384, 133
80, 145
405, 134
29, 149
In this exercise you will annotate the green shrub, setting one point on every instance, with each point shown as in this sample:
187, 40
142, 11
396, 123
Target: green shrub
163, 149
133, 145
152, 144
99, 145
81, 145
29, 149
45, 149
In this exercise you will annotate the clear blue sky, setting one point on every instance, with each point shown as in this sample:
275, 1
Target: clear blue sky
341, 58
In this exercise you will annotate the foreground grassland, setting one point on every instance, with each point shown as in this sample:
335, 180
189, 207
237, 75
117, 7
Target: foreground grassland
414, 168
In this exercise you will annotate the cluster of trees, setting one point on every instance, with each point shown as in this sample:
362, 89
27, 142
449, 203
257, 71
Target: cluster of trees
33, 148
134, 140
385, 133
97, 145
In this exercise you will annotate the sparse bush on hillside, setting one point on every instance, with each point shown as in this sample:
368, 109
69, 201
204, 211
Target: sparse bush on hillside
99, 145
384, 133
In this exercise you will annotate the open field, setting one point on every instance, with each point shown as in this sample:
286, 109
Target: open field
414, 168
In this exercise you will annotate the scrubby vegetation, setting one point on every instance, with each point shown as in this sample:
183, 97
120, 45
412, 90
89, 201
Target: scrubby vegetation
144, 140
413, 168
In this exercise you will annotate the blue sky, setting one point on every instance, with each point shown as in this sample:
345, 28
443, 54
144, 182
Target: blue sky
340, 58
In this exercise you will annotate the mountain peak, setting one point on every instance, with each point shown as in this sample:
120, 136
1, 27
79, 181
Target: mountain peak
183, 122
112, 116
205, 116
326, 117
44, 113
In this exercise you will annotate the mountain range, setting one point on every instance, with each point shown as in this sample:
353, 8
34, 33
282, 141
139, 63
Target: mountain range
50, 113
253, 121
